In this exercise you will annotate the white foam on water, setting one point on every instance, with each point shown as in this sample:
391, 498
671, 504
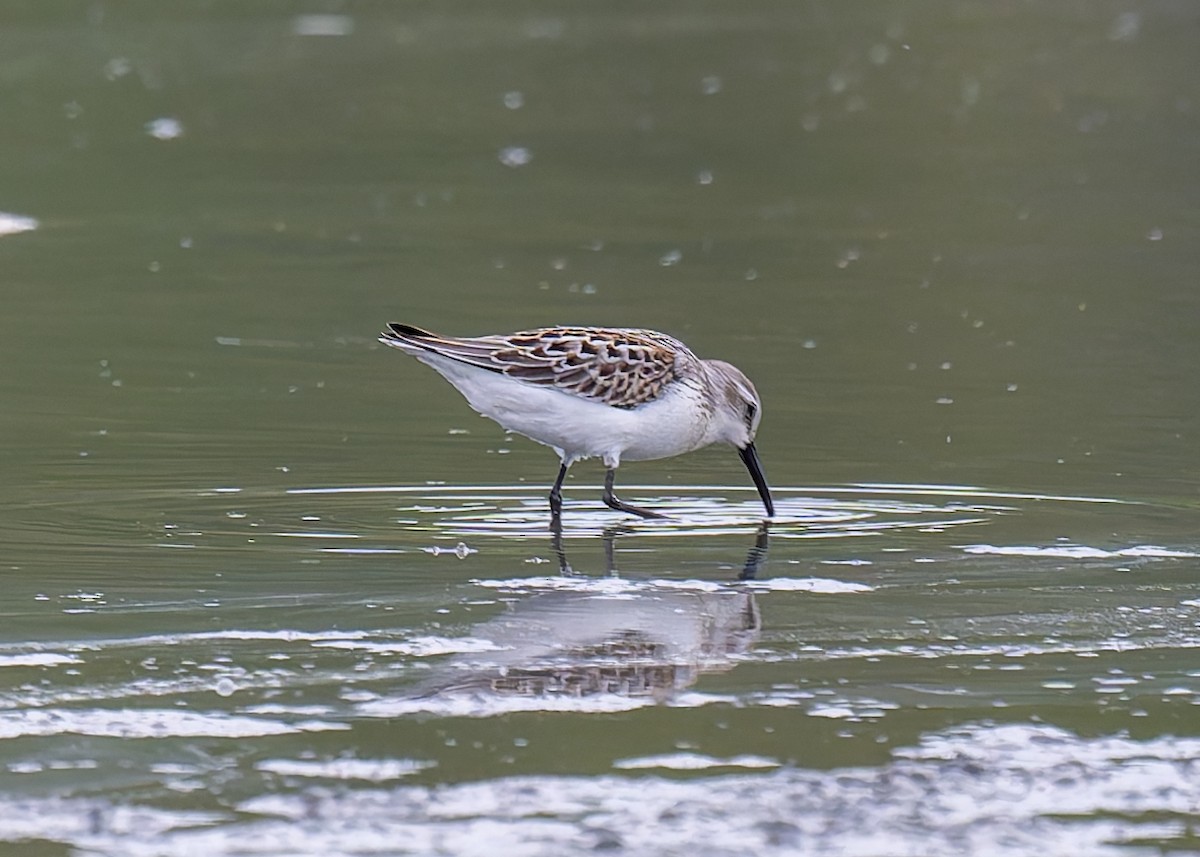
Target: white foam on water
109, 827
38, 659
485, 704
151, 641
370, 770
164, 128
11, 224
693, 762
1001, 791
819, 585
420, 647
1080, 551
147, 723
617, 586
317, 535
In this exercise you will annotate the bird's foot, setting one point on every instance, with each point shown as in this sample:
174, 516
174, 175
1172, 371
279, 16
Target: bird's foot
614, 502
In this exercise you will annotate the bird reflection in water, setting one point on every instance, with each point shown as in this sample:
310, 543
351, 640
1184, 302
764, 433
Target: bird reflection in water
636, 641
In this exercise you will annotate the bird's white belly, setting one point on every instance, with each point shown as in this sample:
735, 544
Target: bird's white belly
580, 428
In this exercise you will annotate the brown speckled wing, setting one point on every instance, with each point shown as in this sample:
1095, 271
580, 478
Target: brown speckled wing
623, 368
620, 367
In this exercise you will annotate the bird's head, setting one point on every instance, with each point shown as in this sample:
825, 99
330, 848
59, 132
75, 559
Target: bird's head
738, 408
735, 420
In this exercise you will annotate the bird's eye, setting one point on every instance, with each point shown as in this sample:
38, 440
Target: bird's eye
751, 410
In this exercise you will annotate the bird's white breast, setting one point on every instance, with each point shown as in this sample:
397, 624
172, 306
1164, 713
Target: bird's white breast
576, 427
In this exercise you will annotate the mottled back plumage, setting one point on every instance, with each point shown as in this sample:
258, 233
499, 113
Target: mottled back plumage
621, 367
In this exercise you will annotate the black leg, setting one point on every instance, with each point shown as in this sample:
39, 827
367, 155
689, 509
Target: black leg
613, 502
556, 494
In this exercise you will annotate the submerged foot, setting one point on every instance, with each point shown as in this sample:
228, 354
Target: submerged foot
612, 501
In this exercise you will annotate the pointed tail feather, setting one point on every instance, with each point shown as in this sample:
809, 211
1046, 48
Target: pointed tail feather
474, 352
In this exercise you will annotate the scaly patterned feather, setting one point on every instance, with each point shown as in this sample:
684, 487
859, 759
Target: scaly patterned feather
621, 367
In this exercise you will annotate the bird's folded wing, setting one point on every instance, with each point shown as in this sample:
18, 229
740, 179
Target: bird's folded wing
622, 368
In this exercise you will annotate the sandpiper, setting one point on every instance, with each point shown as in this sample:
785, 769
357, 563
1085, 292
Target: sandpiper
593, 392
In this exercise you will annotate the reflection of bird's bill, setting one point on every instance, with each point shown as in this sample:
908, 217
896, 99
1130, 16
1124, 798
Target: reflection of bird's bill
749, 457
581, 644
758, 553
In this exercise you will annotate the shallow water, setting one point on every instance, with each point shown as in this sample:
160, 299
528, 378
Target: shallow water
896, 669
270, 587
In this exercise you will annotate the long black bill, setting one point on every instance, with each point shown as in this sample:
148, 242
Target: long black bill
750, 458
